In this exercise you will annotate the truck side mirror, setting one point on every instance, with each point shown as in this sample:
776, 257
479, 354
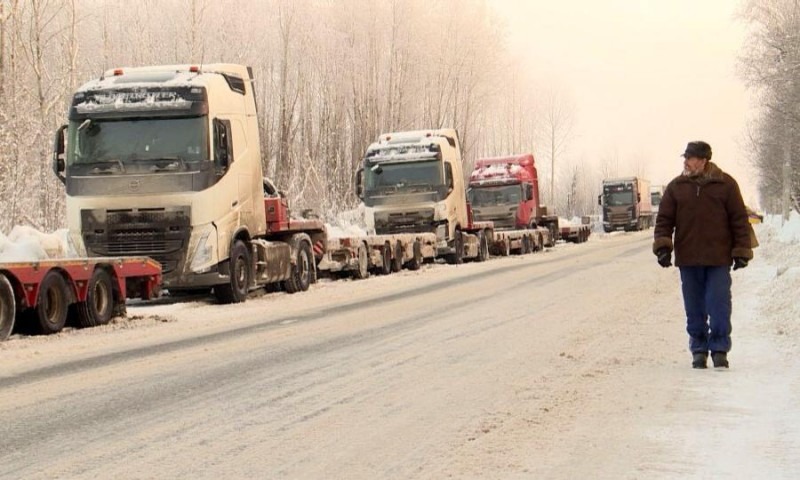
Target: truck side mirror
223, 145
360, 183
59, 164
600, 200
448, 177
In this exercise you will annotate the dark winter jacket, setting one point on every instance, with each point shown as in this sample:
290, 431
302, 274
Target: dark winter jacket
708, 217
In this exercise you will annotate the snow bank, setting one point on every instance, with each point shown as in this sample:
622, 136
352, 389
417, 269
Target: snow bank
26, 244
780, 251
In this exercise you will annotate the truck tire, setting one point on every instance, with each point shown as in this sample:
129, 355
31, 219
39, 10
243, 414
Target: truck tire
52, 304
397, 258
539, 243
235, 291
505, 248
386, 254
98, 308
362, 269
553, 235
416, 262
301, 270
8, 308
483, 247
457, 257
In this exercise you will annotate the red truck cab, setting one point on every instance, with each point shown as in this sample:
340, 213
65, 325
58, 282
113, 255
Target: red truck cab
505, 190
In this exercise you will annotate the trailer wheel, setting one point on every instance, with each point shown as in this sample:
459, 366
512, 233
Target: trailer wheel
483, 247
397, 261
553, 235
301, 271
235, 291
52, 304
8, 308
386, 259
505, 248
416, 262
457, 257
99, 305
362, 270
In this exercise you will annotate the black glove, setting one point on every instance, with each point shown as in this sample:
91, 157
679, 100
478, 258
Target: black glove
664, 257
739, 262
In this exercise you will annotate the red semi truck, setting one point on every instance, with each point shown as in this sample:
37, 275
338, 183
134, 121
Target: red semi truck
505, 191
43, 294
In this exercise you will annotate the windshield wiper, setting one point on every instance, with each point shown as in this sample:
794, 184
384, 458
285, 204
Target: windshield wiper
175, 164
97, 170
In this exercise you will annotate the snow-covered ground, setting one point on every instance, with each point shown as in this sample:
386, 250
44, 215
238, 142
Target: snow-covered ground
567, 364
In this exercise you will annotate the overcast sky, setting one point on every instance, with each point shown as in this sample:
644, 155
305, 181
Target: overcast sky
646, 76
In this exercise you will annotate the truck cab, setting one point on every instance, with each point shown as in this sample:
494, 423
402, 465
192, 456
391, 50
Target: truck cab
505, 191
412, 182
626, 204
165, 162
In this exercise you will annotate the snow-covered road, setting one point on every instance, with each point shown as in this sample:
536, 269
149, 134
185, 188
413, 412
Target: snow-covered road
567, 364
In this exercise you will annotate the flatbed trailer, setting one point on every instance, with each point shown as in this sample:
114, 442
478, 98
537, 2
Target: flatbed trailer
362, 254
520, 241
43, 295
575, 233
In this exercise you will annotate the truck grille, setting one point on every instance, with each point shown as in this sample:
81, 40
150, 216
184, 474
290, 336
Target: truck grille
157, 233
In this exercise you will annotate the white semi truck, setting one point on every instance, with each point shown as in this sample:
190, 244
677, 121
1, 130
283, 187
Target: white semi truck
165, 162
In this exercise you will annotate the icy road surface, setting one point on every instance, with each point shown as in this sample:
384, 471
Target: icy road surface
565, 364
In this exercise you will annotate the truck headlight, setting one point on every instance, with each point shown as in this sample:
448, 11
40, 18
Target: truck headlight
204, 255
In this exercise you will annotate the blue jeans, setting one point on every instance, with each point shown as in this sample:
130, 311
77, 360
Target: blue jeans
707, 300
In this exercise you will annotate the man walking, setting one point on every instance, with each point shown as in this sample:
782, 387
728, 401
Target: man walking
704, 209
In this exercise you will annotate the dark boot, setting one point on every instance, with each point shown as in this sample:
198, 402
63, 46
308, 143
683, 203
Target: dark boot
699, 360
720, 359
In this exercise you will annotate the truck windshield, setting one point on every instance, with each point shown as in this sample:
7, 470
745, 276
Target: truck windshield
415, 176
499, 195
618, 199
655, 198
137, 146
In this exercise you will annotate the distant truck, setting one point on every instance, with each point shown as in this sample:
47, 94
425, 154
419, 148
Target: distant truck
626, 204
656, 192
505, 191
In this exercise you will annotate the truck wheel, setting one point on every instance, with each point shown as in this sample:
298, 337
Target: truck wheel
387, 264
362, 271
301, 271
416, 262
553, 235
457, 257
8, 308
235, 291
483, 247
397, 261
99, 305
539, 242
505, 248
52, 304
